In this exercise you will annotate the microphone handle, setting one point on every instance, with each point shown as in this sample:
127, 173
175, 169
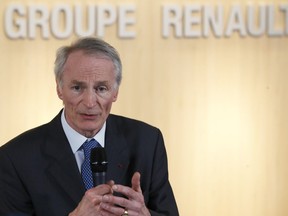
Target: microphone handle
99, 178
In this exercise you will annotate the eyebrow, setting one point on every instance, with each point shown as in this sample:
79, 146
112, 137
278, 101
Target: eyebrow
83, 83
103, 83
76, 82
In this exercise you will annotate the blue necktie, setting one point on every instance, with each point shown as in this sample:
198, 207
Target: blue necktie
85, 169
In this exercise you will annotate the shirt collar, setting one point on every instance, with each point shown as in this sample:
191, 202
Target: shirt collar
76, 139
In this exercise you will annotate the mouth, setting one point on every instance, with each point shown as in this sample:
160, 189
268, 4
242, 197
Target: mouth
89, 116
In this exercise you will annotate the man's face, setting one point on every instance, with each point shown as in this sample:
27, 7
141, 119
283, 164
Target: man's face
88, 89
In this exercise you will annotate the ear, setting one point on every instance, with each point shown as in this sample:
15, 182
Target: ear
59, 91
115, 95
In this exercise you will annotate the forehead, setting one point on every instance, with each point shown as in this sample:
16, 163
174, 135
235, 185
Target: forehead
80, 56
82, 64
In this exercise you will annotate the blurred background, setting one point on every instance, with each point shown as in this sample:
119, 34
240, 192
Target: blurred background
216, 87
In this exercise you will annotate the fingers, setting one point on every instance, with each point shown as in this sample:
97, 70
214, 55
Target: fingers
110, 209
91, 200
136, 182
100, 190
127, 192
133, 193
110, 183
116, 205
133, 203
94, 196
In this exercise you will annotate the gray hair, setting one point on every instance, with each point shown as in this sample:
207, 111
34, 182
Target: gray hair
89, 45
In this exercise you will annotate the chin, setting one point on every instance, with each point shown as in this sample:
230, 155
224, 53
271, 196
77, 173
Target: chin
91, 129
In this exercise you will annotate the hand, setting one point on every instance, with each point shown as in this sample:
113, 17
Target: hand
89, 205
134, 203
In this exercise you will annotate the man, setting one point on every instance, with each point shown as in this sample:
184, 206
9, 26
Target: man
40, 170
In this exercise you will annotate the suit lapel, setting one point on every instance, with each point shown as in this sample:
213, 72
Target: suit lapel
61, 164
117, 153
62, 169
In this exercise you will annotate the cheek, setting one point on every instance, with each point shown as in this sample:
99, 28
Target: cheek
70, 101
107, 105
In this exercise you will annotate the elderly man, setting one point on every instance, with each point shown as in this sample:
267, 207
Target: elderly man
43, 171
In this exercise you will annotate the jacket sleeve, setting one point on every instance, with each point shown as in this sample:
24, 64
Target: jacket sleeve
161, 197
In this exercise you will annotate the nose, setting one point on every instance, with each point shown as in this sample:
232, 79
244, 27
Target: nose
89, 98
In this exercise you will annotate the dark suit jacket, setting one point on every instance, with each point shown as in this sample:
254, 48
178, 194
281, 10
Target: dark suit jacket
39, 175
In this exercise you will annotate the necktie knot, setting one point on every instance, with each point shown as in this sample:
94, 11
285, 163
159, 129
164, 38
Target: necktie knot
85, 169
87, 146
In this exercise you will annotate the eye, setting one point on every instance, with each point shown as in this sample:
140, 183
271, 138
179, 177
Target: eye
76, 87
101, 89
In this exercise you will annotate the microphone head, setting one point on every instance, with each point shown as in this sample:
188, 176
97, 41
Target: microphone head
98, 160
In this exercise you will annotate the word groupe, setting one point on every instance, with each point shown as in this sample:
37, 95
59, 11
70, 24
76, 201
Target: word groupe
62, 21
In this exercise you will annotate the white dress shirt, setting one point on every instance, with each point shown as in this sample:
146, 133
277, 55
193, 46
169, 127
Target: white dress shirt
76, 139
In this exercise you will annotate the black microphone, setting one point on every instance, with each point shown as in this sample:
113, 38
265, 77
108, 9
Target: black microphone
98, 164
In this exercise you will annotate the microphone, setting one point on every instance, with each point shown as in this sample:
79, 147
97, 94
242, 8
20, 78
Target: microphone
98, 164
